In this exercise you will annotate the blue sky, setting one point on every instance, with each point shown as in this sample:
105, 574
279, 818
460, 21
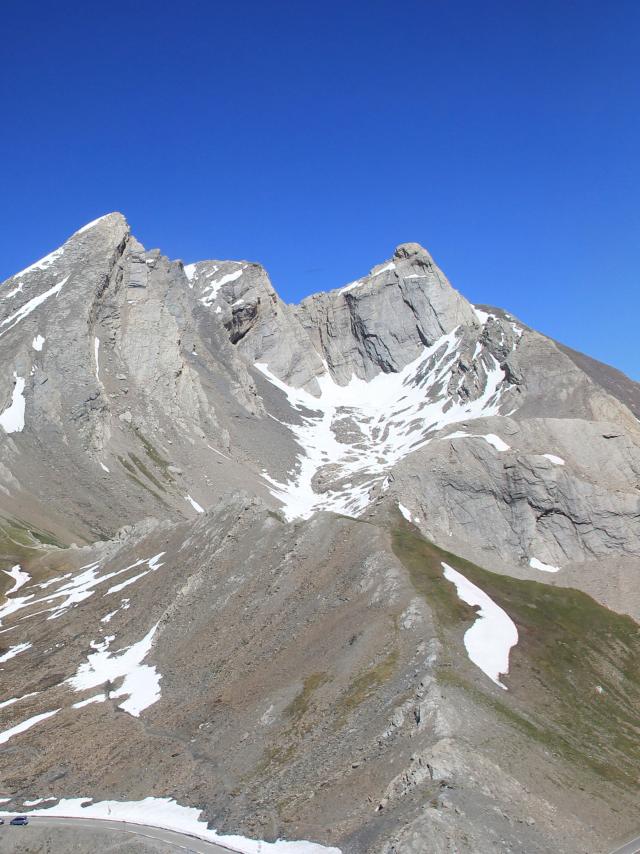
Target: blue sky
314, 137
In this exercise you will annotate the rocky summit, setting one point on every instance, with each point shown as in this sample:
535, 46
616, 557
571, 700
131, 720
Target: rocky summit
355, 575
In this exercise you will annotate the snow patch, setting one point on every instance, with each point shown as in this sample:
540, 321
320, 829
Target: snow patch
96, 351
489, 640
42, 264
37, 343
104, 468
78, 588
26, 309
194, 504
389, 266
25, 725
19, 576
141, 682
169, 815
351, 286
406, 513
91, 224
557, 461
17, 699
543, 567
13, 651
12, 419
482, 316
491, 438
395, 413
97, 698
12, 293
123, 607
214, 287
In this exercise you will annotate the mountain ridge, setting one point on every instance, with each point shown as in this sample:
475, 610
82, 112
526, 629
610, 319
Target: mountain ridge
283, 496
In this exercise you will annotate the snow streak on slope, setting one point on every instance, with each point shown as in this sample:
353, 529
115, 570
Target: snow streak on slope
489, 640
26, 309
75, 590
91, 224
42, 264
25, 725
383, 419
13, 651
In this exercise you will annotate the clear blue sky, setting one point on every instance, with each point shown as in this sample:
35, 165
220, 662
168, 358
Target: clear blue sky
313, 137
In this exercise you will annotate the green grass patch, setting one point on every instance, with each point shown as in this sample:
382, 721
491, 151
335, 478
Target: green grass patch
154, 455
300, 705
297, 725
145, 471
21, 542
574, 681
365, 685
132, 474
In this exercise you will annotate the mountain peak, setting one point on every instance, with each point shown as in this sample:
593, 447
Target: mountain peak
114, 220
408, 250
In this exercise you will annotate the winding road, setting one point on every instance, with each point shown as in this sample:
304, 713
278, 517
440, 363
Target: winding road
173, 841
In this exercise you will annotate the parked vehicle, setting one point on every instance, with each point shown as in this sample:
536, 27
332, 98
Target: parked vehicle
19, 819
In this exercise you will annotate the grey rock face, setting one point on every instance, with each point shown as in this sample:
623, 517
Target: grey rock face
384, 320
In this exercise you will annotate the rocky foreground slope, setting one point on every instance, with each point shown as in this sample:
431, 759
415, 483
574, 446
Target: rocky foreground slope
362, 571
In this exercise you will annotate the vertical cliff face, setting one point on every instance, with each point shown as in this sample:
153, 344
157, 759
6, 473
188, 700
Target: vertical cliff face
384, 320
320, 570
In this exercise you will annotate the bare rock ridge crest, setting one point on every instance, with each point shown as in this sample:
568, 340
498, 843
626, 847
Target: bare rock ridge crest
362, 571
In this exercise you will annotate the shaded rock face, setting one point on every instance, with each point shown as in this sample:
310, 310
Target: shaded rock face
259, 498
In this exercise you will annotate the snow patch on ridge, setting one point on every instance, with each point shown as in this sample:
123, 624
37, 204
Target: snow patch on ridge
489, 640
42, 264
385, 269
91, 224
